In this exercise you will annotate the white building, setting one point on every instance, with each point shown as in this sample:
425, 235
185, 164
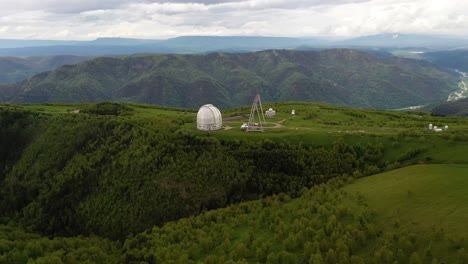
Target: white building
293, 112
270, 112
209, 118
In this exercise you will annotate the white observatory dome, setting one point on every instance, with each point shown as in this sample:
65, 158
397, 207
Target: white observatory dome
209, 118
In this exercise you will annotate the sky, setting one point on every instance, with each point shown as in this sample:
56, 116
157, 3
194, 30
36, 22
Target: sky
160, 19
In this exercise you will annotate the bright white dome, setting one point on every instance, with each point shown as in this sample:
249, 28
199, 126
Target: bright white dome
209, 118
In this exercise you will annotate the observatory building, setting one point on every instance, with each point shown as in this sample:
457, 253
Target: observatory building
270, 113
209, 118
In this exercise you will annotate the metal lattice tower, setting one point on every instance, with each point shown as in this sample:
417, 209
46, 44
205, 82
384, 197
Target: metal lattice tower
257, 118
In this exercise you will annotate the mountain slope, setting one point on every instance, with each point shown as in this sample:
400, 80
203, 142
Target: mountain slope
453, 108
339, 76
78, 173
14, 69
455, 59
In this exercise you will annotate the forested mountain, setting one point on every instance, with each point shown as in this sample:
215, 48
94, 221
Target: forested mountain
96, 173
453, 108
339, 76
454, 59
14, 69
112, 177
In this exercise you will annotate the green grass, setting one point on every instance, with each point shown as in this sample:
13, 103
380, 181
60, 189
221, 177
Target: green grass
50, 108
421, 197
138, 110
320, 124
421, 209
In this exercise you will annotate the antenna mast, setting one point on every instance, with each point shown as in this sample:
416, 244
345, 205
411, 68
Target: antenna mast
257, 118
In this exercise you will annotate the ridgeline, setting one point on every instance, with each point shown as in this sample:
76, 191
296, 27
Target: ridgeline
338, 76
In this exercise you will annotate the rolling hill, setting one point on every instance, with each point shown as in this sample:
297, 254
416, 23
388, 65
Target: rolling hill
104, 184
453, 108
338, 76
14, 69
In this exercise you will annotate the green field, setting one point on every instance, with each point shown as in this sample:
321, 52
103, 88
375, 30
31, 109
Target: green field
318, 124
420, 197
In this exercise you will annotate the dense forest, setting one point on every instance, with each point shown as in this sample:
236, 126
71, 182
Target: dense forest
101, 174
454, 108
324, 225
110, 184
338, 76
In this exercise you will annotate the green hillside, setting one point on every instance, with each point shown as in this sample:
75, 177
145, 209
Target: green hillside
338, 76
416, 214
75, 173
421, 197
453, 108
15, 69
454, 59
326, 224
131, 183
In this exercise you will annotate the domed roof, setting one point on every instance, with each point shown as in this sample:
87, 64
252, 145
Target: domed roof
209, 118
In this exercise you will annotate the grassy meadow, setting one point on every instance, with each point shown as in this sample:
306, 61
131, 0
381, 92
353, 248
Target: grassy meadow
421, 197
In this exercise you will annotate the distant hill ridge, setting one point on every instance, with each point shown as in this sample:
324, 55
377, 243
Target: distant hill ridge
198, 44
14, 69
453, 108
338, 76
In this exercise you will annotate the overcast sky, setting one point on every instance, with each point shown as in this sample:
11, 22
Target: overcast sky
90, 19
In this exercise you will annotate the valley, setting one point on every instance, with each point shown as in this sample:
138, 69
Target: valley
463, 92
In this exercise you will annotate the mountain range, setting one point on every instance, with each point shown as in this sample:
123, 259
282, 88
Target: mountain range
197, 44
454, 59
184, 44
14, 69
338, 76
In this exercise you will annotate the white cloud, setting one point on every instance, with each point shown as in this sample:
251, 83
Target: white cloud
86, 19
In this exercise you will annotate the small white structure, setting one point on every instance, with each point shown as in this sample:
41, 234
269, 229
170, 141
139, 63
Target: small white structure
436, 129
270, 112
209, 118
244, 126
293, 112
